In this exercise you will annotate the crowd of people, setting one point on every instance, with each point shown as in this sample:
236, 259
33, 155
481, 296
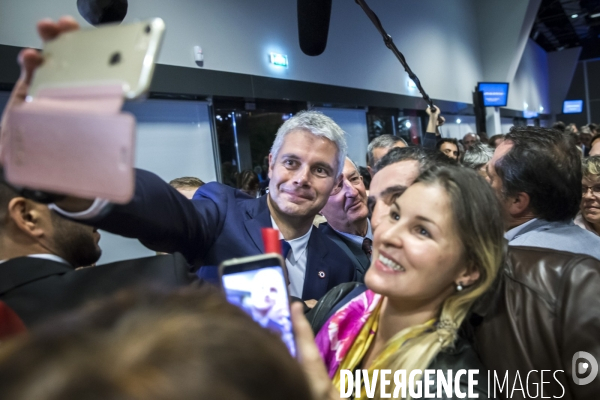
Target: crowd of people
457, 256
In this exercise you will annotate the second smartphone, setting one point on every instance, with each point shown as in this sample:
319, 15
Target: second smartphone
257, 285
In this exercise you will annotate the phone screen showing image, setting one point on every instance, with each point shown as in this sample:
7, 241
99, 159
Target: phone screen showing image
262, 293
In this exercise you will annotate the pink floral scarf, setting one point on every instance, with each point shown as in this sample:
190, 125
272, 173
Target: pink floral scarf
337, 336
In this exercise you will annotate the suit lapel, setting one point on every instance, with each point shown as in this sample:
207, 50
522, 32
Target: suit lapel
318, 270
19, 271
358, 253
258, 216
352, 249
343, 244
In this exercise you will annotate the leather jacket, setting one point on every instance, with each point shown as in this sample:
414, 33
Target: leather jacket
544, 308
460, 356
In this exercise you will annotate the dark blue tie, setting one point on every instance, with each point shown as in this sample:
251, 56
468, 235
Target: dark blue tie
285, 248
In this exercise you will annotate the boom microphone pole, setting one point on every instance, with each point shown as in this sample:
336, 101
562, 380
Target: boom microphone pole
387, 39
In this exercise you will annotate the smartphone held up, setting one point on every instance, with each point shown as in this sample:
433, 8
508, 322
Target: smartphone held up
258, 285
70, 137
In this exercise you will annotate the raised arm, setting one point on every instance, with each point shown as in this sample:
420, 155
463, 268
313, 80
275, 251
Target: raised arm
432, 134
158, 215
164, 220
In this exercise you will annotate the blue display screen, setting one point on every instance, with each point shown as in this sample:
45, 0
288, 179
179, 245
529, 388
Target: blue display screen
494, 94
572, 106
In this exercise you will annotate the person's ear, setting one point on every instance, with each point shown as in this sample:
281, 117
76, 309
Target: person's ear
467, 277
370, 171
26, 216
518, 204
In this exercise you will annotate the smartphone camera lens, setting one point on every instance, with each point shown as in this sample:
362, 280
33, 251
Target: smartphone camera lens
147, 29
115, 58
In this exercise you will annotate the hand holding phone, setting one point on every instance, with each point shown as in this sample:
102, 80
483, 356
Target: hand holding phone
71, 137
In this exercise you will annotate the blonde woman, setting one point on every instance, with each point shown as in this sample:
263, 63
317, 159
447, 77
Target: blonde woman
438, 250
589, 216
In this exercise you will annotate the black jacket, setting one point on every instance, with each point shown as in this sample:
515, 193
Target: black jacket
461, 356
37, 288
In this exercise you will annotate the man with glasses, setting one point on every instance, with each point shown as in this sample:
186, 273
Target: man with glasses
589, 217
347, 215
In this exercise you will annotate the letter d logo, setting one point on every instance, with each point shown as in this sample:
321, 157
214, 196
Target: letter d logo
591, 365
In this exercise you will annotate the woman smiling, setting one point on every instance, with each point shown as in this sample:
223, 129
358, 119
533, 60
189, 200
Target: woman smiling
438, 250
589, 216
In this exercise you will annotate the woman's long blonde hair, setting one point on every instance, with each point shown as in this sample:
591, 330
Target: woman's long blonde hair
477, 216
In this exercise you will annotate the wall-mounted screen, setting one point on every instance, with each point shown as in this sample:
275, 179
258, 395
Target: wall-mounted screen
572, 106
495, 94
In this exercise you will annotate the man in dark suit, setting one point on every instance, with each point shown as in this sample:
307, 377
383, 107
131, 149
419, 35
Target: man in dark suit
348, 224
220, 222
305, 165
39, 252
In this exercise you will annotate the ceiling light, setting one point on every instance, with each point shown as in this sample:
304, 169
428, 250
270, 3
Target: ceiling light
407, 124
574, 16
595, 15
279, 60
458, 121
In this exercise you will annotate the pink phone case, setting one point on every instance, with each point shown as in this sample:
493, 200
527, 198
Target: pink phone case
73, 141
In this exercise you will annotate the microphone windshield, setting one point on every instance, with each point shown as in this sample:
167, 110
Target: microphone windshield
313, 25
98, 12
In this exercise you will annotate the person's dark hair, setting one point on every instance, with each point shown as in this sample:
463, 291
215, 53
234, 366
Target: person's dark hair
585, 130
559, 126
186, 182
426, 157
381, 142
492, 140
152, 345
364, 172
440, 142
477, 156
248, 182
544, 164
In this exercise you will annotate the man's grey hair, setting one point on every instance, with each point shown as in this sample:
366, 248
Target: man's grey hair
355, 165
477, 156
382, 142
477, 138
319, 125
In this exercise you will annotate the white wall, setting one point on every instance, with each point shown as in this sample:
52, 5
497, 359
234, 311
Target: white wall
452, 129
467, 125
439, 41
531, 83
354, 123
450, 45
